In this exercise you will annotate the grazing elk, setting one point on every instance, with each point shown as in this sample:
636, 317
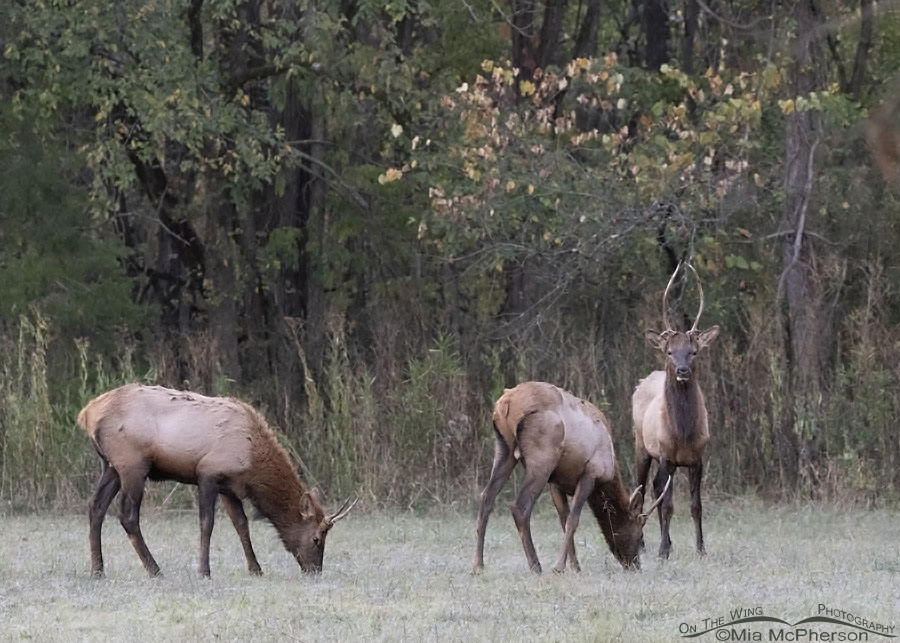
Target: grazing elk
219, 444
669, 412
566, 441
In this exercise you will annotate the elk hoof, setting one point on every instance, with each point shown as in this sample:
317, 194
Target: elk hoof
559, 570
256, 571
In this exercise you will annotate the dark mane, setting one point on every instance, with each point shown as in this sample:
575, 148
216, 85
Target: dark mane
683, 406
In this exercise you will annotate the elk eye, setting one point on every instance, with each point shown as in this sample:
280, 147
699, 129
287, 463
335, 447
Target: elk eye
668, 352
316, 540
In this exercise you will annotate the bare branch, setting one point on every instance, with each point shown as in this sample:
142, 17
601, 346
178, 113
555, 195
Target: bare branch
801, 220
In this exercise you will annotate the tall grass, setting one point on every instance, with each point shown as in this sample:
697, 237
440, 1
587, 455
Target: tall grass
406, 422
45, 460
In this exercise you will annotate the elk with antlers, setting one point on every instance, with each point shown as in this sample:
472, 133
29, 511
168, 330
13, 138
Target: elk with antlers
219, 444
670, 421
566, 441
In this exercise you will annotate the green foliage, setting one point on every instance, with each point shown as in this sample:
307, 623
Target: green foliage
52, 256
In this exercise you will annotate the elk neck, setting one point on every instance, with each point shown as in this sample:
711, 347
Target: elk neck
274, 487
684, 403
609, 504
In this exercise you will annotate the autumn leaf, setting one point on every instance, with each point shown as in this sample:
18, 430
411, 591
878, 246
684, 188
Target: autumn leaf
787, 106
392, 174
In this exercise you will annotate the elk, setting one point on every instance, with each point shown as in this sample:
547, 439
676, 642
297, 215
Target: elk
564, 440
670, 421
221, 445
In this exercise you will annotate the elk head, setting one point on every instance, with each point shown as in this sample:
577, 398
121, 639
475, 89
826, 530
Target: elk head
306, 540
681, 348
628, 538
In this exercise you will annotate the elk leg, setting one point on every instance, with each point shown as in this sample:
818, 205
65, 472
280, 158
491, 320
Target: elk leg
562, 509
695, 475
582, 490
644, 460
104, 491
208, 491
504, 463
130, 515
666, 507
235, 510
533, 485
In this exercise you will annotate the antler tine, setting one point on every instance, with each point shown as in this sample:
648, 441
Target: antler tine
343, 511
699, 288
666, 296
658, 498
635, 493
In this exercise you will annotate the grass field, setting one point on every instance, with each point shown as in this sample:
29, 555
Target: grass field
405, 577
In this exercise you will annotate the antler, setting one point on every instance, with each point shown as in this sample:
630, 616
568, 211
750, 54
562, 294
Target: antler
658, 499
666, 296
343, 511
634, 494
700, 288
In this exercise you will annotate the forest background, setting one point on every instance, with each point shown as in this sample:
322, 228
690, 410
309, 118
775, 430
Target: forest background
367, 218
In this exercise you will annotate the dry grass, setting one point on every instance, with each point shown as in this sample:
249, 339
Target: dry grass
404, 577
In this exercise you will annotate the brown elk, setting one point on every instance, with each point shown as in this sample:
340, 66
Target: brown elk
565, 441
670, 421
219, 444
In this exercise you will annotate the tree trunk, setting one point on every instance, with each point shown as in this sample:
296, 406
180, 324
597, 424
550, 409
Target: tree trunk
314, 337
551, 27
854, 87
656, 33
799, 296
523, 32
586, 41
218, 217
691, 13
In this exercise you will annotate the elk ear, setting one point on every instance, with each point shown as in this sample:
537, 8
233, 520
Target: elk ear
308, 505
316, 495
706, 338
656, 340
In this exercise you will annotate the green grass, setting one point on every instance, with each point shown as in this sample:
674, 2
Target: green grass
405, 577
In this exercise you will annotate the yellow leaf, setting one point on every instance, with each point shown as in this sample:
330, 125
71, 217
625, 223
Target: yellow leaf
100, 116
526, 88
396, 130
547, 236
245, 100
392, 174
787, 106
499, 267
510, 186
530, 189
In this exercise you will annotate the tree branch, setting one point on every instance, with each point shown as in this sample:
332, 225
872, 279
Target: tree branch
802, 208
